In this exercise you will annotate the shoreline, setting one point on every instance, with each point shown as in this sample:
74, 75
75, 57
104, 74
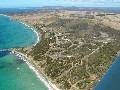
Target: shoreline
38, 73
35, 31
33, 66
30, 63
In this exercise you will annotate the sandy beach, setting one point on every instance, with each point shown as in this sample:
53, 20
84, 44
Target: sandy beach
32, 65
39, 74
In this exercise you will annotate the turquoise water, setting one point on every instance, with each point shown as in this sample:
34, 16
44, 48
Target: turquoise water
111, 80
15, 74
15, 34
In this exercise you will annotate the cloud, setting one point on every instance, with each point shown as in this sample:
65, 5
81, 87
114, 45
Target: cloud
93, 2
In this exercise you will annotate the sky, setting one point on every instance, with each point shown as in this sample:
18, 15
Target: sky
78, 3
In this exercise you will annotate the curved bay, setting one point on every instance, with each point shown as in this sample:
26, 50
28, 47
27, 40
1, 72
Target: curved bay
15, 74
15, 34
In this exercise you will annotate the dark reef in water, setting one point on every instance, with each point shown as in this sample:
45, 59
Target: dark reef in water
4, 53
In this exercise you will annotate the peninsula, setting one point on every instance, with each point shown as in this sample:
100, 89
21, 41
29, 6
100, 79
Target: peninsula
76, 47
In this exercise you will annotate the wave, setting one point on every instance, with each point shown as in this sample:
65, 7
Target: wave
38, 38
31, 66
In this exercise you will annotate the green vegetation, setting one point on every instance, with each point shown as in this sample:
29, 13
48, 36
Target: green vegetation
100, 15
81, 54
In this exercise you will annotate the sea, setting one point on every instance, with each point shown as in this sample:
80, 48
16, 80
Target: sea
15, 73
111, 79
15, 34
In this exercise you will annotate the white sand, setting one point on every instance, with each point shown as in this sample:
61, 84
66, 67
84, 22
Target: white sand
47, 83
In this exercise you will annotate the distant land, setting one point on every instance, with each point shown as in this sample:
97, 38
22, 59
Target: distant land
38, 9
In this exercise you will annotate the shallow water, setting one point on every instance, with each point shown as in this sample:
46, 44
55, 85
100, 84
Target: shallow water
15, 73
15, 34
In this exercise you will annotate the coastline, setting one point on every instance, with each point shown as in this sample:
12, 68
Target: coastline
29, 62
32, 65
35, 31
35, 69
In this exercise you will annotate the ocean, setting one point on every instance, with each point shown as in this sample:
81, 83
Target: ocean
15, 34
15, 73
111, 79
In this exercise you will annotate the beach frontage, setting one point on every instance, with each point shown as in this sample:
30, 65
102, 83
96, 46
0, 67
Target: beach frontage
32, 65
